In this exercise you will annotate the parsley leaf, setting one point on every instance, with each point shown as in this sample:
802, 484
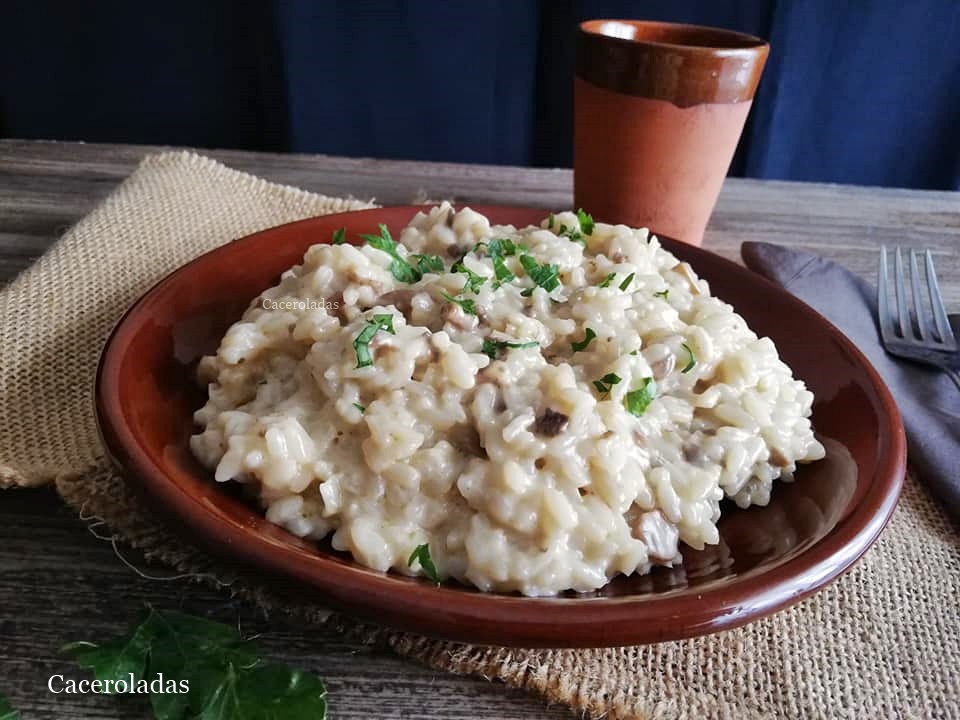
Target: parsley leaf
465, 304
224, 675
637, 401
7, 712
550, 221
498, 250
589, 335
361, 343
421, 553
428, 263
691, 363
474, 281
339, 236
605, 384
626, 283
401, 269
492, 347
586, 222
607, 280
662, 293
546, 276
360, 407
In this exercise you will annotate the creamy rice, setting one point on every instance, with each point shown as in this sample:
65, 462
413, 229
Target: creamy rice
556, 463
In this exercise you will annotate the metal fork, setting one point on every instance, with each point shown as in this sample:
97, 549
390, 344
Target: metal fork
912, 334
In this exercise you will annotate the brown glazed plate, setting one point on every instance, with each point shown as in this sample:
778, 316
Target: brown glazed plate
770, 557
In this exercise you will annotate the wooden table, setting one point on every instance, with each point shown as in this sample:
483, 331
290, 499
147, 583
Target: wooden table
58, 583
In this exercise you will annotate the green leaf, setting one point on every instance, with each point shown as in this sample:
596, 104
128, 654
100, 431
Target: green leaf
499, 249
637, 401
428, 263
607, 280
550, 221
339, 236
421, 554
626, 283
400, 268
360, 407
224, 676
361, 343
589, 335
586, 222
663, 294
606, 383
692, 362
465, 304
474, 281
492, 347
546, 276
6, 711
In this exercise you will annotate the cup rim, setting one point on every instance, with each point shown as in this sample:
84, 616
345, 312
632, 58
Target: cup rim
745, 41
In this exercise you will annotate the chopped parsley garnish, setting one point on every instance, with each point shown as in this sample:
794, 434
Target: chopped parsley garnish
219, 672
550, 221
498, 250
589, 335
339, 236
401, 269
362, 342
637, 401
360, 407
663, 293
428, 264
606, 383
607, 280
635, 352
586, 222
626, 283
492, 347
474, 281
421, 554
546, 276
465, 304
691, 363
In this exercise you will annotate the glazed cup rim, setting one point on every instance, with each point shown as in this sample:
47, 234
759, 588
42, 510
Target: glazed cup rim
740, 42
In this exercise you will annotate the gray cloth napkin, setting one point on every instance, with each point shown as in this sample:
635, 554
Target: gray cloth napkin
927, 398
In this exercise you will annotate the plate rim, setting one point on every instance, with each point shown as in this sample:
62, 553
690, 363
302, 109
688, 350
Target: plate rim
463, 615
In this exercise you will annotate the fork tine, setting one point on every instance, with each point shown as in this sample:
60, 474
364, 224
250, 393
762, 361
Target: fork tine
922, 324
883, 303
936, 301
906, 327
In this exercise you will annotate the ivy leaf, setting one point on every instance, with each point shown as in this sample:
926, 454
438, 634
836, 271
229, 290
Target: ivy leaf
6, 711
218, 673
421, 554
401, 269
589, 335
637, 401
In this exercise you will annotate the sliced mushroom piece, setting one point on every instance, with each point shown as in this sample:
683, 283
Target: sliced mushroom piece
659, 534
401, 299
551, 423
663, 367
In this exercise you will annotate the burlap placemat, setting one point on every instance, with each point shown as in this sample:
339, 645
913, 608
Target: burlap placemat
882, 642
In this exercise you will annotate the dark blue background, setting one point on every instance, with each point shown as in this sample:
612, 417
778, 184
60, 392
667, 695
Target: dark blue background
858, 91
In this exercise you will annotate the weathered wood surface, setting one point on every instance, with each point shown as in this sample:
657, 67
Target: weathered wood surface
59, 583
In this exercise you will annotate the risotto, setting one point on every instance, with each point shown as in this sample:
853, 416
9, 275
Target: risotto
531, 410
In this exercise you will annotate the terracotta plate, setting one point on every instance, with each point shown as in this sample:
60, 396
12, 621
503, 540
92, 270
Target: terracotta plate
768, 558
